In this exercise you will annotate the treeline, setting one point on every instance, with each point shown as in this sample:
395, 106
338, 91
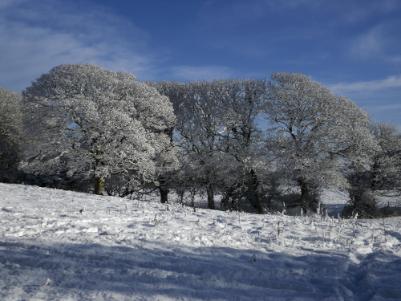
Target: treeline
260, 145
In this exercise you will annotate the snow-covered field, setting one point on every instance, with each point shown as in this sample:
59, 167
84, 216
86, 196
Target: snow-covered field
61, 245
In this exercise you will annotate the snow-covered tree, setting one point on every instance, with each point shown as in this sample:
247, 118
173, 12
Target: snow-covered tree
197, 132
313, 133
381, 175
10, 134
242, 103
386, 163
84, 120
217, 134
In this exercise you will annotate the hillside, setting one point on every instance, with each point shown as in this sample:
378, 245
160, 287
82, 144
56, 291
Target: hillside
62, 245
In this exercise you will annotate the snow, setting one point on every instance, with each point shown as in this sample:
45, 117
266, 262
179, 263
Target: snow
388, 198
334, 200
120, 249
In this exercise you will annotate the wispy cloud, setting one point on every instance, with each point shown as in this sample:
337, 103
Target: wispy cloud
368, 86
357, 11
7, 3
292, 4
39, 35
381, 98
368, 44
238, 10
380, 43
349, 11
188, 73
386, 108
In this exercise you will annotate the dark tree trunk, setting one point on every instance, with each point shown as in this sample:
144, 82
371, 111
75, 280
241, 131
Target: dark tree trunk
210, 196
304, 194
252, 195
309, 198
163, 194
363, 200
274, 193
163, 189
193, 192
227, 196
181, 193
99, 180
373, 177
99, 186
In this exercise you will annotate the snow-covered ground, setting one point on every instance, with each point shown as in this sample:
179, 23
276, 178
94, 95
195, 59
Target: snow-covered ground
388, 198
61, 245
334, 201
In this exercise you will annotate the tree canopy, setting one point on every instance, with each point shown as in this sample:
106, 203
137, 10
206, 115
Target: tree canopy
82, 119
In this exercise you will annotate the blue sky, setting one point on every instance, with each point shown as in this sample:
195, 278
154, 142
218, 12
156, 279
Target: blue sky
354, 47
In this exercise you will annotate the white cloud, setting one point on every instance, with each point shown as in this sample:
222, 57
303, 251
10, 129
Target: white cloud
7, 3
36, 36
360, 11
368, 44
189, 73
293, 4
368, 86
380, 43
392, 107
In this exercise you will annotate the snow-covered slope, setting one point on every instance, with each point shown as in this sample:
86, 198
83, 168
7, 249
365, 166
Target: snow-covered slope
61, 245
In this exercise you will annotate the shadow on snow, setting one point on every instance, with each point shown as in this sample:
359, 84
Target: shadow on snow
192, 273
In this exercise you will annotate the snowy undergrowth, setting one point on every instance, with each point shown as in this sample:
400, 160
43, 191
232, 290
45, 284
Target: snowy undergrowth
62, 245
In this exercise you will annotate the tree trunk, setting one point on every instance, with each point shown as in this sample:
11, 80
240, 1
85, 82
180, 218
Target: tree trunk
308, 197
252, 191
163, 194
274, 192
227, 196
163, 189
210, 196
304, 194
193, 192
373, 178
99, 185
181, 193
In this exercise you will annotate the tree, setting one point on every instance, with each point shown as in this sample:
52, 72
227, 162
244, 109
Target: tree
217, 134
382, 174
242, 103
84, 120
386, 163
167, 164
313, 133
197, 131
10, 134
